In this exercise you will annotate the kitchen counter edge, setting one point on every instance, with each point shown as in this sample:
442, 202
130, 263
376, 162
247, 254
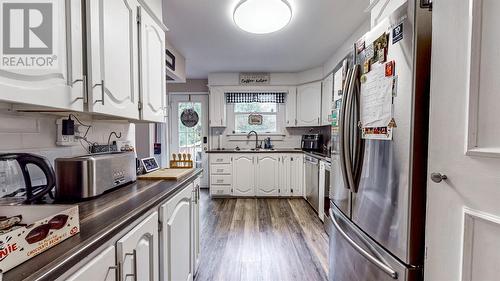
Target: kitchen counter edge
137, 199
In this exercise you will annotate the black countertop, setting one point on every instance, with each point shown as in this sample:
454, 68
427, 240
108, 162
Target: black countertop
101, 219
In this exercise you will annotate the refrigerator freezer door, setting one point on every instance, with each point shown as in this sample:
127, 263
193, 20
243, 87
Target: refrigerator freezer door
381, 204
353, 256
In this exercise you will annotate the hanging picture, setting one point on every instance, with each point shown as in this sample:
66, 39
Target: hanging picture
250, 79
189, 118
170, 60
255, 119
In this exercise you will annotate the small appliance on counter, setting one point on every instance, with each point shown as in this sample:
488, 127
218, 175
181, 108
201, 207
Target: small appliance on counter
91, 175
312, 142
16, 178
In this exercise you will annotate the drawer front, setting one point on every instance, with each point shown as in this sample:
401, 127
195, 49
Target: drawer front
221, 169
220, 190
220, 159
221, 180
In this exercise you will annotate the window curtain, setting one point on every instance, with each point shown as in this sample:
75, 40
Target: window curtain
255, 97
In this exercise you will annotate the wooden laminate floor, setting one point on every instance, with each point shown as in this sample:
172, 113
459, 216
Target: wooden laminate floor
261, 239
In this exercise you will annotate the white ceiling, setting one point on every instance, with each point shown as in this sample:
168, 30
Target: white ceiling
204, 32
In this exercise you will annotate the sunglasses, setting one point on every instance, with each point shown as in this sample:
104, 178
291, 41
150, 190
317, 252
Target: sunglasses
42, 231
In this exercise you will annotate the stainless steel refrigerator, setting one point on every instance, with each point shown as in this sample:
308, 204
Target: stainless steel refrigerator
377, 215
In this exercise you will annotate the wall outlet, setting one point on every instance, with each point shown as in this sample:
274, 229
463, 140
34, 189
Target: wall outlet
67, 140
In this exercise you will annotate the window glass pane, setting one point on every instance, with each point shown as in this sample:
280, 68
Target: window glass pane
255, 107
268, 124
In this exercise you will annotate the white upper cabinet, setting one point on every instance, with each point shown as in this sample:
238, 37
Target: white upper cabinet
55, 78
113, 57
217, 107
309, 104
244, 175
326, 100
291, 108
267, 175
137, 251
152, 68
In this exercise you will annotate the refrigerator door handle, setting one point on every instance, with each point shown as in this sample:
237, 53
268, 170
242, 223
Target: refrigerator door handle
359, 142
342, 130
385, 268
348, 115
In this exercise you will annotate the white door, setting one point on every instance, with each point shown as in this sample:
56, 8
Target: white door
326, 100
101, 268
176, 220
296, 174
57, 79
152, 69
309, 104
284, 175
137, 251
244, 175
190, 140
267, 175
113, 57
463, 211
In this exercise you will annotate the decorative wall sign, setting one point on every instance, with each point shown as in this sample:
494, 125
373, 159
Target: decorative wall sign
397, 33
255, 119
189, 118
170, 60
250, 79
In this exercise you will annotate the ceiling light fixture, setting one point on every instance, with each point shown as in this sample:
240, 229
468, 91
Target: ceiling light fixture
262, 16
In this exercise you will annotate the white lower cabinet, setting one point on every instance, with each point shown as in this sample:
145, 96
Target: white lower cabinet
101, 268
196, 251
176, 235
256, 174
137, 251
267, 175
244, 175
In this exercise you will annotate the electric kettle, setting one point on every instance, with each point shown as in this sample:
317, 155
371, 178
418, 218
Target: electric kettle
16, 182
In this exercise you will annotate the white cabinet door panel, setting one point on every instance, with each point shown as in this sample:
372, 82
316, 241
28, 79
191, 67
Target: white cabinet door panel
58, 81
101, 268
296, 175
326, 100
176, 246
113, 57
244, 175
309, 104
267, 175
217, 107
291, 108
153, 73
137, 251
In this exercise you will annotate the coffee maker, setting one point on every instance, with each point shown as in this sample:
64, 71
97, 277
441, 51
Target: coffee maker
16, 178
312, 142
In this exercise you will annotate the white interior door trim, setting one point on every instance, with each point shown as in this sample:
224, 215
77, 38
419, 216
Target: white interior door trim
470, 217
473, 65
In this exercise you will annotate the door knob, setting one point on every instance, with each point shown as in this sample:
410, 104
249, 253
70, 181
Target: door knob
438, 177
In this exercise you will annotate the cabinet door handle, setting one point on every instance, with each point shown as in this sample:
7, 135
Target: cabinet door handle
134, 256
85, 96
102, 91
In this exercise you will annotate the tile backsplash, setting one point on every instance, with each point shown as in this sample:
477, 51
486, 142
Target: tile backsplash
36, 133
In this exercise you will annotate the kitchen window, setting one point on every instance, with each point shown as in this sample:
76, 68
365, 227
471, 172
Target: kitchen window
268, 111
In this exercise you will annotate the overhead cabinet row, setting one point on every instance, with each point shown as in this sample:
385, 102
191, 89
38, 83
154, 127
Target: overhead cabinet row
106, 59
306, 105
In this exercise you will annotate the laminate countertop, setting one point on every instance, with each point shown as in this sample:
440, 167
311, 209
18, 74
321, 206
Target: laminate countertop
318, 155
101, 219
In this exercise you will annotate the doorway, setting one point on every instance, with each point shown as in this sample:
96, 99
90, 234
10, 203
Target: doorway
190, 137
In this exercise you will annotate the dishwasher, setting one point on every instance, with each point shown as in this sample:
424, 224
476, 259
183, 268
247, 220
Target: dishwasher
312, 181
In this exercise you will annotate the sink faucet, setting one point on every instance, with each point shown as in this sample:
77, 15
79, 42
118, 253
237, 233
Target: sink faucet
256, 138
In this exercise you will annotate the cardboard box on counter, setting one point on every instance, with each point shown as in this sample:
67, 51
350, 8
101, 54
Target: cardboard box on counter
45, 227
